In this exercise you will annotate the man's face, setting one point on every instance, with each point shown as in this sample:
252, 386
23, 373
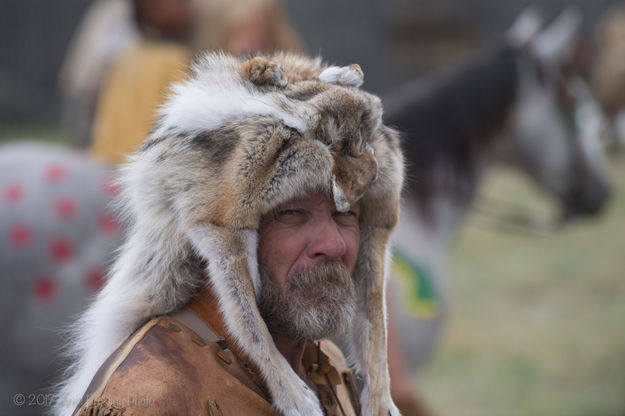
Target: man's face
307, 252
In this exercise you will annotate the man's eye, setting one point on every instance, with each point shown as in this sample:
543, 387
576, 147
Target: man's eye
288, 212
292, 216
346, 218
345, 214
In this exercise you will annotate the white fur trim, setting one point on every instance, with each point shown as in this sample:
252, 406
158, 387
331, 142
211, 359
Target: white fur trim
339, 199
252, 259
217, 94
345, 75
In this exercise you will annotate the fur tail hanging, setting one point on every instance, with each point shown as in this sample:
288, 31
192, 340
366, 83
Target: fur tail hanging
369, 332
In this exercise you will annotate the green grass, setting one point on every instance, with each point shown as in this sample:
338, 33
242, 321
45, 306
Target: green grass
49, 133
538, 320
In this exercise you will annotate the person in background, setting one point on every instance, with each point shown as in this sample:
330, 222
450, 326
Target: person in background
106, 30
245, 26
138, 81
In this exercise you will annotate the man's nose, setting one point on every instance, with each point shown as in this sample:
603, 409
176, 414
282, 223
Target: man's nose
327, 242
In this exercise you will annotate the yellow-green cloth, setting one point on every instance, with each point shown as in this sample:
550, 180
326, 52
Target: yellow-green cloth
417, 293
137, 85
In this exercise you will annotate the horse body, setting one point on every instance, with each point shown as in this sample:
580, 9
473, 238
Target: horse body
502, 105
58, 236
450, 124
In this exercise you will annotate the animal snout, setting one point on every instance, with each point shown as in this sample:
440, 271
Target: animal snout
591, 201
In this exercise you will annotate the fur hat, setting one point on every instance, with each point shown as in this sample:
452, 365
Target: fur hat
233, 142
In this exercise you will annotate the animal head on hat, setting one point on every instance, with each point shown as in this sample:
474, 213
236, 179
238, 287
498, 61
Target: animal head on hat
234, 141
268, 138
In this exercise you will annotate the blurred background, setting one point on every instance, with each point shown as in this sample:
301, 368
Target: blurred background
536, 316
392, 40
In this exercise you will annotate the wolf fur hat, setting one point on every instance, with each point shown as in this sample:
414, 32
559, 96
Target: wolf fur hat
233, 142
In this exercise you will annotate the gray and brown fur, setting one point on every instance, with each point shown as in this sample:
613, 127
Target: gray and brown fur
235, 141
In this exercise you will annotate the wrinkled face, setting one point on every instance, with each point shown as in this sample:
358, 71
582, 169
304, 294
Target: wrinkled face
307, 251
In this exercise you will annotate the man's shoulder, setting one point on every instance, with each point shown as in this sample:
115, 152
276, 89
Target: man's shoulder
165, 367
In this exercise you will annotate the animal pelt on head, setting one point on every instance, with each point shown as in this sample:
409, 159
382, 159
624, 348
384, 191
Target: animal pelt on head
234, 141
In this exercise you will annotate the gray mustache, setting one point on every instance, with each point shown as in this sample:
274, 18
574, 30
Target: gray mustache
333, 272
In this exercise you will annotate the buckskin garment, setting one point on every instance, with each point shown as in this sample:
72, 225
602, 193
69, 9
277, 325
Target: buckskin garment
185, 364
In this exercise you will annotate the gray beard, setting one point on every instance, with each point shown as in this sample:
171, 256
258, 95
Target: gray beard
318, 302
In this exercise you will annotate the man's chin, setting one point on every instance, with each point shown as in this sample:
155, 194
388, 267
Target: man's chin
312, 308
317, 304
326, 319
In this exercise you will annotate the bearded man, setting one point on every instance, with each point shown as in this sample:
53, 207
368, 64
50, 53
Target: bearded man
261, 206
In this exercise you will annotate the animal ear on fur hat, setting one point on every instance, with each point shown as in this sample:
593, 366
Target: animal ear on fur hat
234, 141
349, 76
262, 71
